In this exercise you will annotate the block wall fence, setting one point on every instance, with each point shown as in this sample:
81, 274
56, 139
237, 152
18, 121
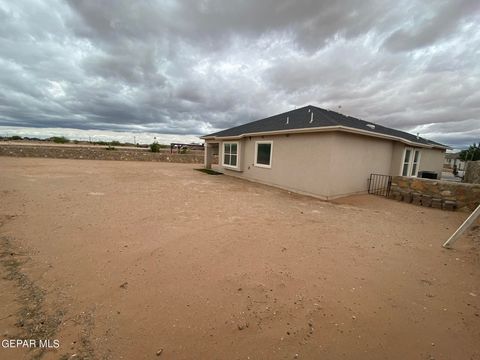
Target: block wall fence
99, 153
439, 194
472, 172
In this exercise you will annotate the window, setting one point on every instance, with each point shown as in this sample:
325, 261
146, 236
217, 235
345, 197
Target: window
410, 162
416, 158
406, 162
230, 154
263, 154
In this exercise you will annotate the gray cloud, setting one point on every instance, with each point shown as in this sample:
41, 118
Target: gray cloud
192, 67
437, 24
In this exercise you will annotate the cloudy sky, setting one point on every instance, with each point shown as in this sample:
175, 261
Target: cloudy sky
187, 68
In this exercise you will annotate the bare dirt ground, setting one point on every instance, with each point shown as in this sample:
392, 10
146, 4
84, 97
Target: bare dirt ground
133, 260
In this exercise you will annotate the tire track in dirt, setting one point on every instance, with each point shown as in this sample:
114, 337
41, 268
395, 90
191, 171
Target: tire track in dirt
33, 321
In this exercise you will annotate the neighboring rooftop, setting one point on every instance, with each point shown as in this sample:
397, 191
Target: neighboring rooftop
311, 118
452, 155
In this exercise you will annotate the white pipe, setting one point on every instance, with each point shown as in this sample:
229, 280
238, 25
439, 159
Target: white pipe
466, 224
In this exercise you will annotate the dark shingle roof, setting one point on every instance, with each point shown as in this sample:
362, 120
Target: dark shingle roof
301, 119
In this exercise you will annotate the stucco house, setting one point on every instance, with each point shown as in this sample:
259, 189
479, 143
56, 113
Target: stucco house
453, 159
320, 152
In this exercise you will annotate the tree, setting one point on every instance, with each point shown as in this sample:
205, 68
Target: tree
472, 153
59, 139
155, 147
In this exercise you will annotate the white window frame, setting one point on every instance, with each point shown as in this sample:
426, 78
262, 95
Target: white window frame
256, 153
411, 161
418, 162
238, 154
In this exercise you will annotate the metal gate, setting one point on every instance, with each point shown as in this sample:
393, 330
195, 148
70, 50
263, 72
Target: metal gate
379, 184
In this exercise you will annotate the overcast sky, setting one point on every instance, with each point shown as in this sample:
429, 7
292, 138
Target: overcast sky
197, 66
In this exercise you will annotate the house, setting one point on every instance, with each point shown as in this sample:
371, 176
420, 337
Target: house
453, 159
320, 152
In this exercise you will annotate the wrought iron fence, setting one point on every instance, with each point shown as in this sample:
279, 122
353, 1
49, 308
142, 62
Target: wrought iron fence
379, 184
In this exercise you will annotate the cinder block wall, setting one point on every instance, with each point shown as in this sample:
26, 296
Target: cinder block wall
436, 193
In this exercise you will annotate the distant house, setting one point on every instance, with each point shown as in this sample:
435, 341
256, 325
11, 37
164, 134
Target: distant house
453, 159
320, 152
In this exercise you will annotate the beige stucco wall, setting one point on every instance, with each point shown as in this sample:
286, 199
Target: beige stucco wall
432, 160
398, 151
300, 162
355, 157
327, 165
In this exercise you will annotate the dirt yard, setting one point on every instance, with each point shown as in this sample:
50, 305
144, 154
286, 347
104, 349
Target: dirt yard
138, 260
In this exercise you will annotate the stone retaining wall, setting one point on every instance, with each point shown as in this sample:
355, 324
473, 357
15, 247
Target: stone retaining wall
472, 172
97, 153
439, 194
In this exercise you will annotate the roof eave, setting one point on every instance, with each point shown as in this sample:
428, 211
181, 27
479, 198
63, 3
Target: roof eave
325, 129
